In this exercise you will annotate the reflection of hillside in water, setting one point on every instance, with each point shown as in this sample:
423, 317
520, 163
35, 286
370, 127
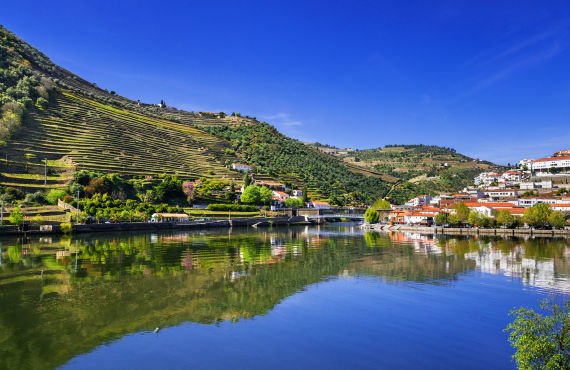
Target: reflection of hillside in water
61, 297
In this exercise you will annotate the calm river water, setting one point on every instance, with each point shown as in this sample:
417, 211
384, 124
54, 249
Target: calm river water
301, 297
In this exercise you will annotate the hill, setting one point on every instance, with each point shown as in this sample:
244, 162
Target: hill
434, 168
49, 113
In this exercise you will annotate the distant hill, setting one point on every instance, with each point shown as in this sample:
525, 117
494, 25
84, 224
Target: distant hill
433, 168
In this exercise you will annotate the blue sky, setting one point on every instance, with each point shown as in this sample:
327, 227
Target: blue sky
489, 78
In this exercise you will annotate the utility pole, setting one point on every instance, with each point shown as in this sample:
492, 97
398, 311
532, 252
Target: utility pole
77, 206
45, 172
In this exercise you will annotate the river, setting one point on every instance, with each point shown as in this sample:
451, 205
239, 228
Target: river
327, 296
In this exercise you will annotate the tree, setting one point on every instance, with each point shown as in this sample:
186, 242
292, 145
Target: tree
474, 218
294, 202
250, 195
557, 219
541, 341
381, 204
462, 211
453, 220
54, 195
246, 180
265, 195
537, 215
371, 216
16, 217
505, 218
441, 218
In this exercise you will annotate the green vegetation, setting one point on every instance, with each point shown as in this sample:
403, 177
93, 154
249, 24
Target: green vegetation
381, 204
441, 218
294, 202
256, 195
66, 227
537, 215
275, 154
505, 218
232, 207
541, 340
432, 168
461, 211
103, 208
371, 216
16, 217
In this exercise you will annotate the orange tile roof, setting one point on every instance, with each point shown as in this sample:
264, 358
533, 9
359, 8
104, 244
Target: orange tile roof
552, 158
491, 205
517, 210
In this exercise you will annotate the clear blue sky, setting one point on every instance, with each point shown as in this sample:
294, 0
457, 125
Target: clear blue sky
489, 78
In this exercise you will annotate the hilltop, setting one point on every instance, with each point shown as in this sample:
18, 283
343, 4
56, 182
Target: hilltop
48, 113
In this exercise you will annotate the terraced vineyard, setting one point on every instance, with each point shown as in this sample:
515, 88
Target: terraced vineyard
100, 137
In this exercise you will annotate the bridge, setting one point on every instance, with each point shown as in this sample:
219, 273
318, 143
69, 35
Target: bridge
333, 213
335, 216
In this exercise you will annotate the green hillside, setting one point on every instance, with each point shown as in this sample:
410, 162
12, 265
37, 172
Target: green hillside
431, 167
50, 113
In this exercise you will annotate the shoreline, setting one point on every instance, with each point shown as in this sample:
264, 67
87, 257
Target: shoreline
438, 230
160, 226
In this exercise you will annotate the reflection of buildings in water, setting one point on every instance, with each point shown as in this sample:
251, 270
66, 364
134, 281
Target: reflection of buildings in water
540, 273
422, 243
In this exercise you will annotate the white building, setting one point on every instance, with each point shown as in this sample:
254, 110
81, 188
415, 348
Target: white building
486, 178
530, 185
419, 201
241, 167
419, 218
529, 202
319, 204
525, 162
280, 195
547, 166
560, 207
502, 193
298, 193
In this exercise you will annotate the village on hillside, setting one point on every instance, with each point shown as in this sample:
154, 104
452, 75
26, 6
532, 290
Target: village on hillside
536, 181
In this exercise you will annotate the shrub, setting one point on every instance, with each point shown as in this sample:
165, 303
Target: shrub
16, 217
65, 227
42, 103
37, 197
232, 207
54, 195
11, 194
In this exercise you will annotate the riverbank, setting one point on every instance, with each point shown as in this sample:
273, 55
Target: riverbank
159, 226
469, 231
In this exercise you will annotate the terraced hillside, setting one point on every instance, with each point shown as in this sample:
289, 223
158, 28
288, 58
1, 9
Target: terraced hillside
100, 137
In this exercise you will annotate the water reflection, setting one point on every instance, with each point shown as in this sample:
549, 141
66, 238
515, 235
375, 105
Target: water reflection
63, 296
